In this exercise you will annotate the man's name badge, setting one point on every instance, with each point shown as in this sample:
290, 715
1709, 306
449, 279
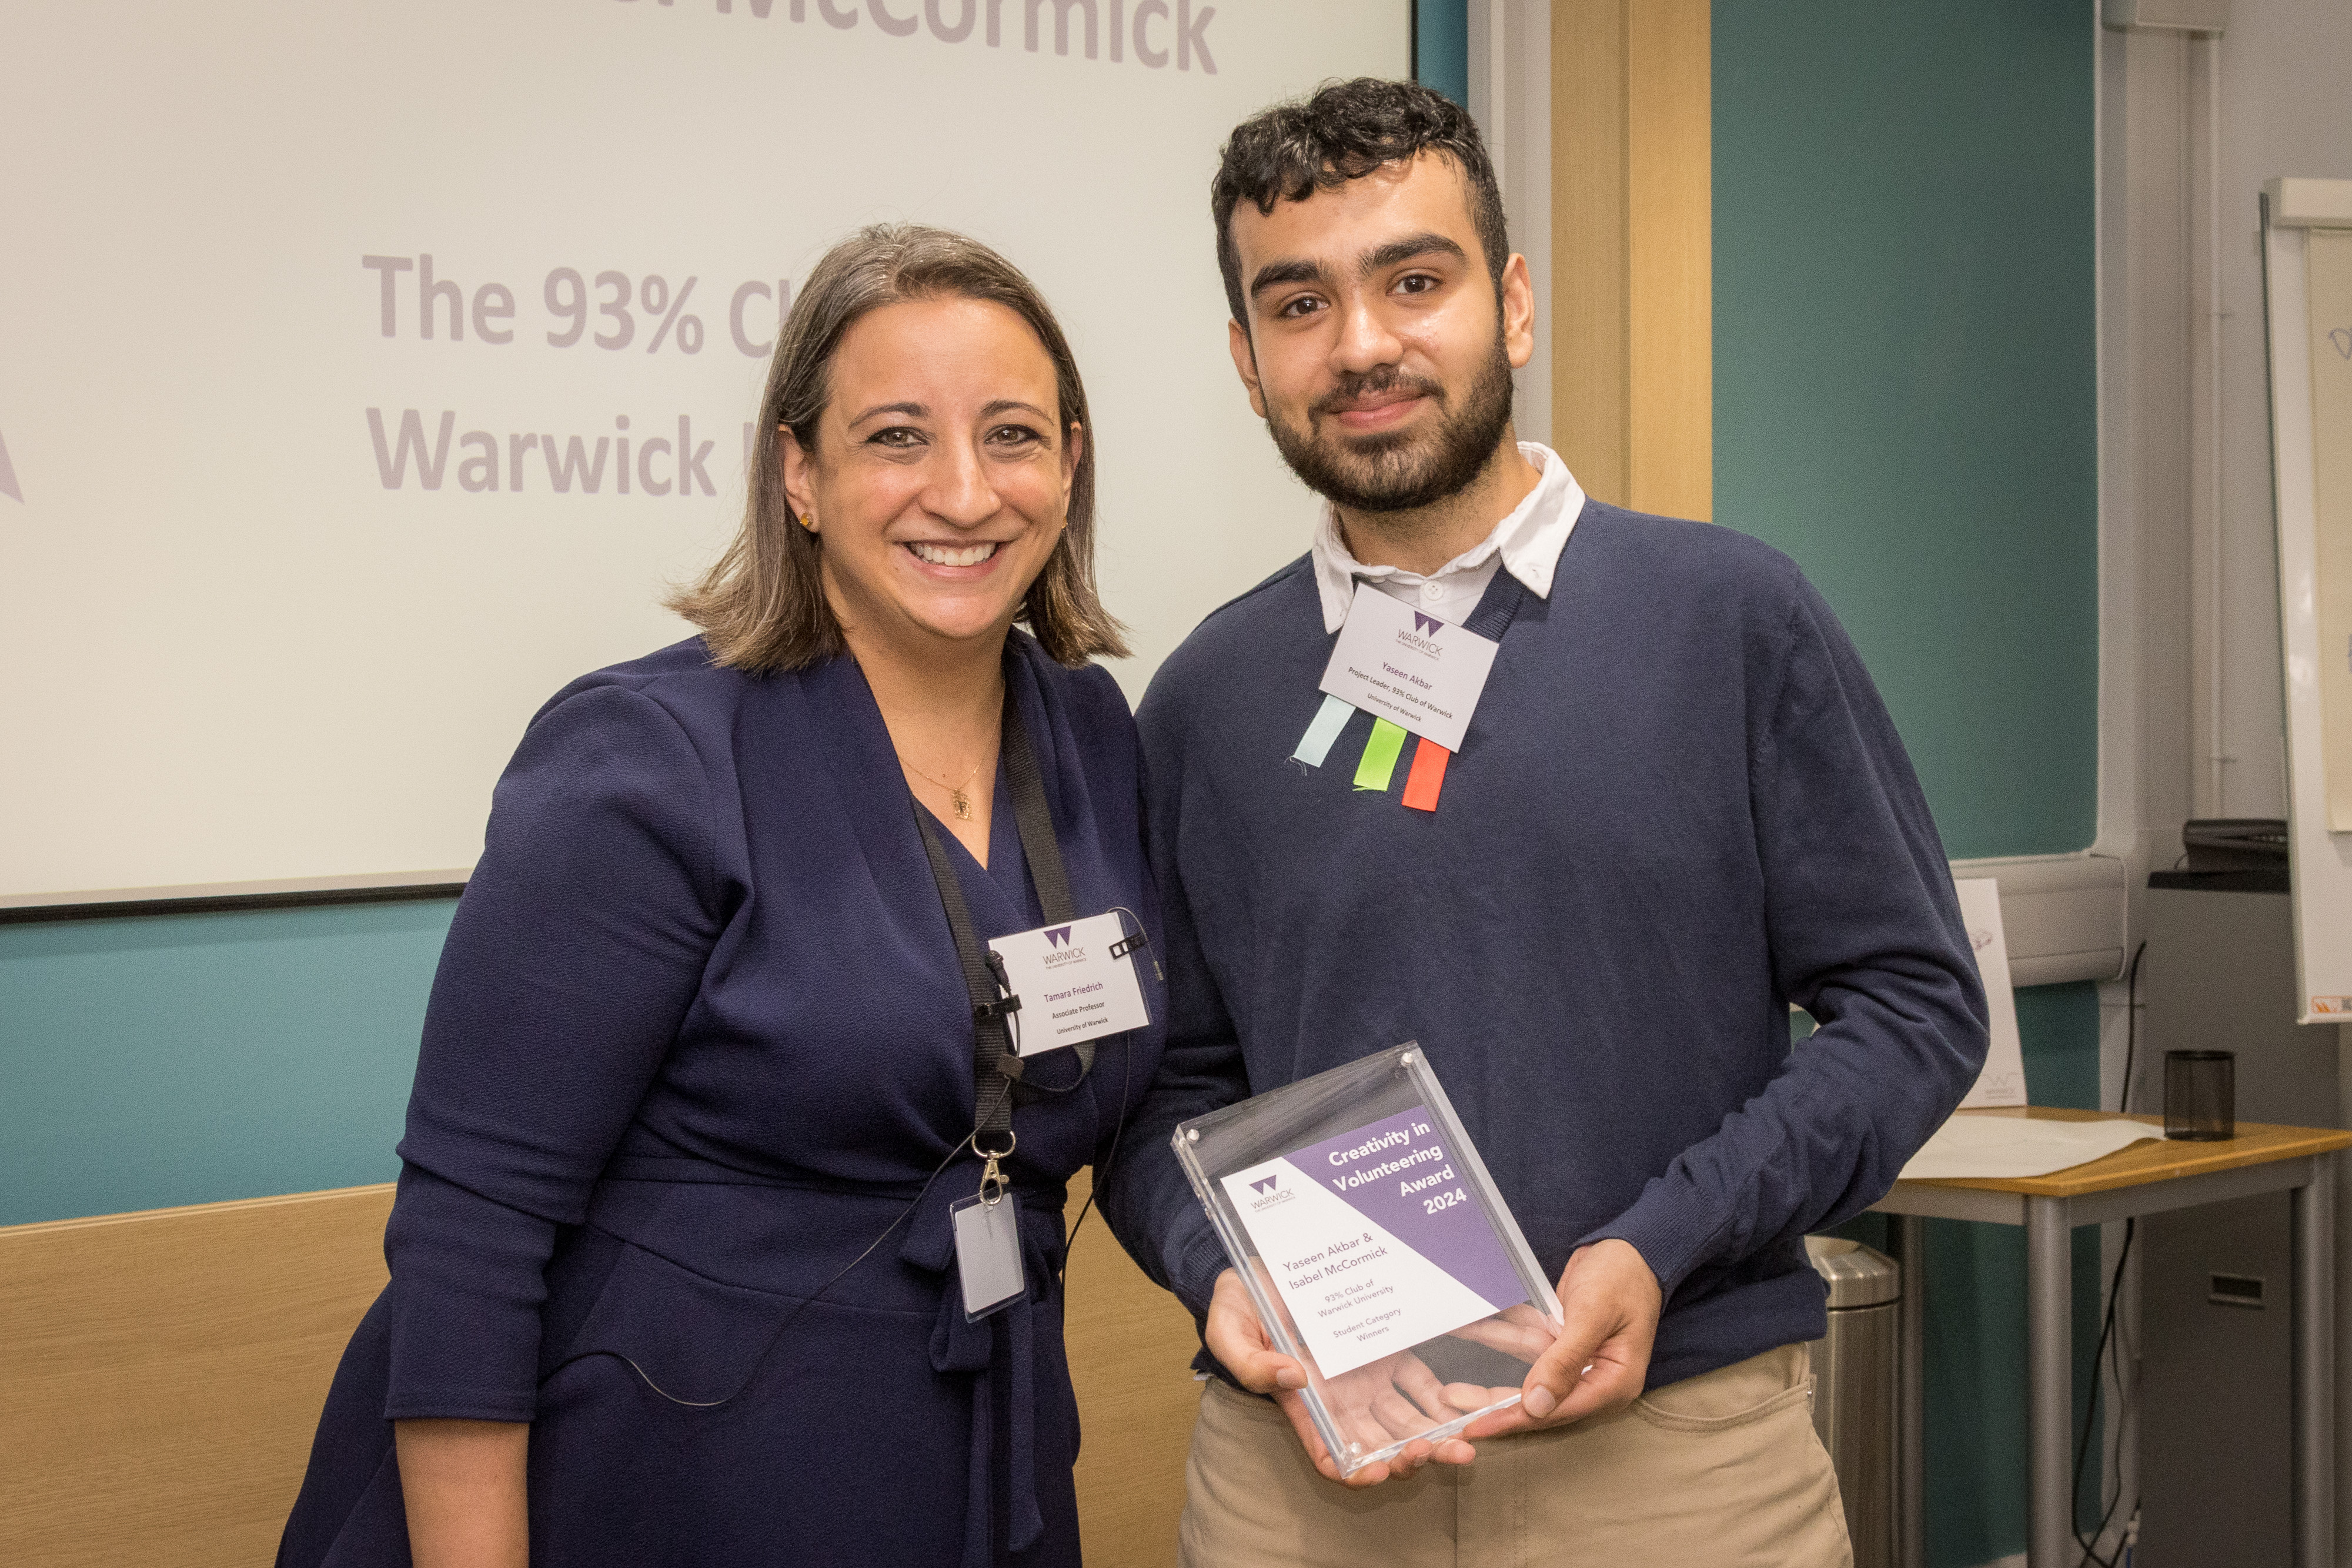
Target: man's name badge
988, 1253
1076, 983
1421, 673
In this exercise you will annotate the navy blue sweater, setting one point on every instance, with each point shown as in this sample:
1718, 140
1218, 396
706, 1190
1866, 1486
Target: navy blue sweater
1680, 807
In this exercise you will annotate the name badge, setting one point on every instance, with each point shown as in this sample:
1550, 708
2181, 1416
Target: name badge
1419, 673
1075, 983
988, 1253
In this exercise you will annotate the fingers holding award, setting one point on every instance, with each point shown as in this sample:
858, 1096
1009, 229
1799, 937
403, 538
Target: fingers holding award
1385, 1279
1394, 1398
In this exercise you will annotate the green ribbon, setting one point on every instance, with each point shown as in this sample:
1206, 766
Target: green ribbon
1380, 760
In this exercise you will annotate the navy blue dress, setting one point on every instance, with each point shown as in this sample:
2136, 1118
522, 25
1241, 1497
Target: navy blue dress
698, 1038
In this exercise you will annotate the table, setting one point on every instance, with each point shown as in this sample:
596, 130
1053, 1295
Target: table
2146, 1178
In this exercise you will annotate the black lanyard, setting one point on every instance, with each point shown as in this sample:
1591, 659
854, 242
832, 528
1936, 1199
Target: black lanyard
993, 1065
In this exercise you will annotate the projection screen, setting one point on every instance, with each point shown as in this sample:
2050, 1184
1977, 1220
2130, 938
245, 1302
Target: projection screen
368, 371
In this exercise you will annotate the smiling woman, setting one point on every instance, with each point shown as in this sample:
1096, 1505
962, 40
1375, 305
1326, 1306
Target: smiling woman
705, 1075
935, 511
932, 448
764, 606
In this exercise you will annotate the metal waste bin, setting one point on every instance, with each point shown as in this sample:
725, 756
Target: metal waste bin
1853, 1393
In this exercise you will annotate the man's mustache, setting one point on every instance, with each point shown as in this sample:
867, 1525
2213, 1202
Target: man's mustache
1352, 389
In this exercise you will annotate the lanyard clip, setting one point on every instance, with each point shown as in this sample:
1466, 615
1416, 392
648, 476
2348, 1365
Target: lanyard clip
992, 1173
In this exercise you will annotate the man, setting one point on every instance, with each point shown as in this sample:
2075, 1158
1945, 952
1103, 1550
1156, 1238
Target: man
1679, 806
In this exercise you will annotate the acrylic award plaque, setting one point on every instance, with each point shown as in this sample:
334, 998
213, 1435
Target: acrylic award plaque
1377, 1252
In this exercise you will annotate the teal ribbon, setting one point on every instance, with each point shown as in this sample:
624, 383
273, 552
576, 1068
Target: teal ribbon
1329, 720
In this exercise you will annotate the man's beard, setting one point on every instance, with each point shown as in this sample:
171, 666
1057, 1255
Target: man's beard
1403, 472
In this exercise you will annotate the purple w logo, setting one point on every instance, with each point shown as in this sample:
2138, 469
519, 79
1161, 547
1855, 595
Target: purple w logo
1427, 625
1267, 1185
1055, 936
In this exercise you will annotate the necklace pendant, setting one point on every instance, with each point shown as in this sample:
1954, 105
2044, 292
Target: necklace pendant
963, 805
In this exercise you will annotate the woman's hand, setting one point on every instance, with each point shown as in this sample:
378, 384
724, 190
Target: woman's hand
464, 1484
1372, 1399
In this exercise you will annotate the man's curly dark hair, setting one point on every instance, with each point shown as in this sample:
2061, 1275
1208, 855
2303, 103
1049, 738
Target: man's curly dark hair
1342, 132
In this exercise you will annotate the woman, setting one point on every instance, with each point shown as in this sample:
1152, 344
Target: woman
674, 1275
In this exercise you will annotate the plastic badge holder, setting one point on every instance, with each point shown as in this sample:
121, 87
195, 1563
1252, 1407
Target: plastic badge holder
1377, 1251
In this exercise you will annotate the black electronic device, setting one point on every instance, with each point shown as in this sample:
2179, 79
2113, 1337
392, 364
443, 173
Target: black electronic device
2233, 843
2228, 854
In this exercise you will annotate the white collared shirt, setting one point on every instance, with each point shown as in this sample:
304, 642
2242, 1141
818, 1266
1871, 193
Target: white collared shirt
1527, 543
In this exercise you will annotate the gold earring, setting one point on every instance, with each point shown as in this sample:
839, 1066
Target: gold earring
808, 521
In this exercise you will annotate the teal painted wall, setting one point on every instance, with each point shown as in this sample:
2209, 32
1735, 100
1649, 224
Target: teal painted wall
1441, 47
1905, 401
191, 1059
1906, 393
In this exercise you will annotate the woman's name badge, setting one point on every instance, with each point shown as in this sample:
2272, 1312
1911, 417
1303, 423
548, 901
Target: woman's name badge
1421, 673
988, 1253
1075, 983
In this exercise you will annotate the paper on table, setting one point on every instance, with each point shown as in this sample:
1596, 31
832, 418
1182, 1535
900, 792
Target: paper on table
2005, 1148
2002, 1081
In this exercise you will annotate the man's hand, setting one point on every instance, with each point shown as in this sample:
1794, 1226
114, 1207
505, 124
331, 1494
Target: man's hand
1239, 1340
1609, 1304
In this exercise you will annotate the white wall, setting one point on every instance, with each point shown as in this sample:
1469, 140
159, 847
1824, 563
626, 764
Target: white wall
1510, 97
2193, 707
2286, 110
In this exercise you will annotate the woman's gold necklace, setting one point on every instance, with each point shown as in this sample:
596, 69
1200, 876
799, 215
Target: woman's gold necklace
956, 793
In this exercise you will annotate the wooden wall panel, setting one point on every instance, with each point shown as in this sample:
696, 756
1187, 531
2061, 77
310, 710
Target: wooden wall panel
161, 1374
1670, 270
1590, 340
1130, 1346
1633, 275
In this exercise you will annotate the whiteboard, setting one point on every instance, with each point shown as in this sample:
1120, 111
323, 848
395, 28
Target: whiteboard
273, 610
2307, 288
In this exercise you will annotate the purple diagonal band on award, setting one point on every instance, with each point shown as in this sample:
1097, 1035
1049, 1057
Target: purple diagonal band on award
1399, 1174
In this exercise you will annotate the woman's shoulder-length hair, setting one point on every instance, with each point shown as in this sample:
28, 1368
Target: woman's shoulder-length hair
762, 606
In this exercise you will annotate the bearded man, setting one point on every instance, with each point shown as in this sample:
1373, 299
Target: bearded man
1678, 807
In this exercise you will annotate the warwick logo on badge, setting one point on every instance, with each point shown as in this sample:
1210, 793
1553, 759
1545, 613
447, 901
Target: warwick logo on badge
1268, 1190
1422, 639
1065, 951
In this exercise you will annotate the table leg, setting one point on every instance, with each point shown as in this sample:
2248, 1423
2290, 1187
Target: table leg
2314, 1214
2050, 1382
1910, 1402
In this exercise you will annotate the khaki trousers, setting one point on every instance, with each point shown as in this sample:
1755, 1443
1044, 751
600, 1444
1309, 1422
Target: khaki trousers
1722, 1470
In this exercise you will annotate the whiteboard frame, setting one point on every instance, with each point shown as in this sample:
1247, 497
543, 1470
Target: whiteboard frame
213, 898
2319, 861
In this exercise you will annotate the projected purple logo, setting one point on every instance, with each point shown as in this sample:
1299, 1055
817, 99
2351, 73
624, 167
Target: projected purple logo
1057, 936
9, 475
1427, 626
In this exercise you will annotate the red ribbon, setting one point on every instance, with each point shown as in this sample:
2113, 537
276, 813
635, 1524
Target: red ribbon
1428, 774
